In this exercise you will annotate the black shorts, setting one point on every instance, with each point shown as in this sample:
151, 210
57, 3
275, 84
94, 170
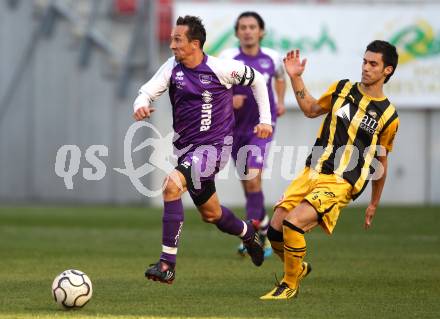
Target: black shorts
203, 194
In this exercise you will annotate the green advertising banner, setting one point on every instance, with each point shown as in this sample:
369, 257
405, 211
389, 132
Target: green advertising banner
333, 39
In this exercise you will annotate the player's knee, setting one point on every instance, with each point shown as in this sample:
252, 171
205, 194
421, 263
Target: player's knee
171, 190
294, 224
292, 220
274, 234
210, 216
279, 215
253, 185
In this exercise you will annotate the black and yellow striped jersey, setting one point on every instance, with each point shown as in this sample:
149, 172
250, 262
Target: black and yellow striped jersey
349, 136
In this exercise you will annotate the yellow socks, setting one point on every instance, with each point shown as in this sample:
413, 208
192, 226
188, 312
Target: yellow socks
294, 252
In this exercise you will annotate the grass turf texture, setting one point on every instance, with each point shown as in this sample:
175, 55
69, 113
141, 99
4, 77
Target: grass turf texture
391, 271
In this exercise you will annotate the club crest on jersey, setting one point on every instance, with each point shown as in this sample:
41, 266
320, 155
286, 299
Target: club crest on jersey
373, 114
264, 63
205, 78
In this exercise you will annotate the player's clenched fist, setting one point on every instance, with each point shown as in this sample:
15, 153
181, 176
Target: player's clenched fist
143, 112
263, 130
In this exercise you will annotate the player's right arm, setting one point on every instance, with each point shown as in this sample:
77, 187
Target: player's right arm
295, 68
151, 90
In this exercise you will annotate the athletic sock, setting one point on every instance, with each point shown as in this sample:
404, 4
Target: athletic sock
172, 223
229, 223
294, 252
264, 225
255, 206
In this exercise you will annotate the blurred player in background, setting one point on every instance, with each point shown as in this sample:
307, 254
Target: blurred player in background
201, 96
354, 139
249, 29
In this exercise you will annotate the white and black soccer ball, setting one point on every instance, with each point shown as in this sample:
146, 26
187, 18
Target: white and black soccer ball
72, 289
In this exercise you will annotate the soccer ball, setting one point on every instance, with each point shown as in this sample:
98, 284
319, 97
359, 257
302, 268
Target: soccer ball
72, 289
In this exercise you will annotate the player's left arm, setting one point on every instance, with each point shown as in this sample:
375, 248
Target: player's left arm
233, 72
386, 141
259, 89
376, 193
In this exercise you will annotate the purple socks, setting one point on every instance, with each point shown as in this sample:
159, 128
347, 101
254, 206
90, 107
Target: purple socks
172, 223
255, 210
230, 224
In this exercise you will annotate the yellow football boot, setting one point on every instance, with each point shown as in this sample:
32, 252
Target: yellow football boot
283, 291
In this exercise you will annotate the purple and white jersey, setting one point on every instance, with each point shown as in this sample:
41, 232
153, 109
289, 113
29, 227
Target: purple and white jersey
270, 64
202, 98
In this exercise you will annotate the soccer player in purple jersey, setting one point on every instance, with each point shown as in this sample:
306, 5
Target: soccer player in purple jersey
201, 96
249, 29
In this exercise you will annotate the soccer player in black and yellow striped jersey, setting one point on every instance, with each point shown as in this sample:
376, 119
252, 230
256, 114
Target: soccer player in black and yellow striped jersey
353, 141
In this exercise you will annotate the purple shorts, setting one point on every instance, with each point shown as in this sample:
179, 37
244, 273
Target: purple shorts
205, 161
249, 151
199, 167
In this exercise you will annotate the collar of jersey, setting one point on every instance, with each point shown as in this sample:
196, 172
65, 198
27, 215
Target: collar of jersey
250, 56
205, 58
370, 97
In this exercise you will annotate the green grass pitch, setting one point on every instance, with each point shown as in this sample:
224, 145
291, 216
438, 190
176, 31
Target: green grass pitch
390, 271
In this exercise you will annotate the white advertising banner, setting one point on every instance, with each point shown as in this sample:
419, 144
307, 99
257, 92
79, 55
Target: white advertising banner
333, 38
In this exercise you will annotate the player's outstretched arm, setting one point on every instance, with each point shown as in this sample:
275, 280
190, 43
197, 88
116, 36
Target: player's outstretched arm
151, 90
233, 72
295, 68
377, 188
143, 112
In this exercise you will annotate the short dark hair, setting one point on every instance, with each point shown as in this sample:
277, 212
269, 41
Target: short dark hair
250, 14
390, 56
196, 29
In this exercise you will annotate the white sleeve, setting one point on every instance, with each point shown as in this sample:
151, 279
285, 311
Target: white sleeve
232, 72
259, 89
154, 88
